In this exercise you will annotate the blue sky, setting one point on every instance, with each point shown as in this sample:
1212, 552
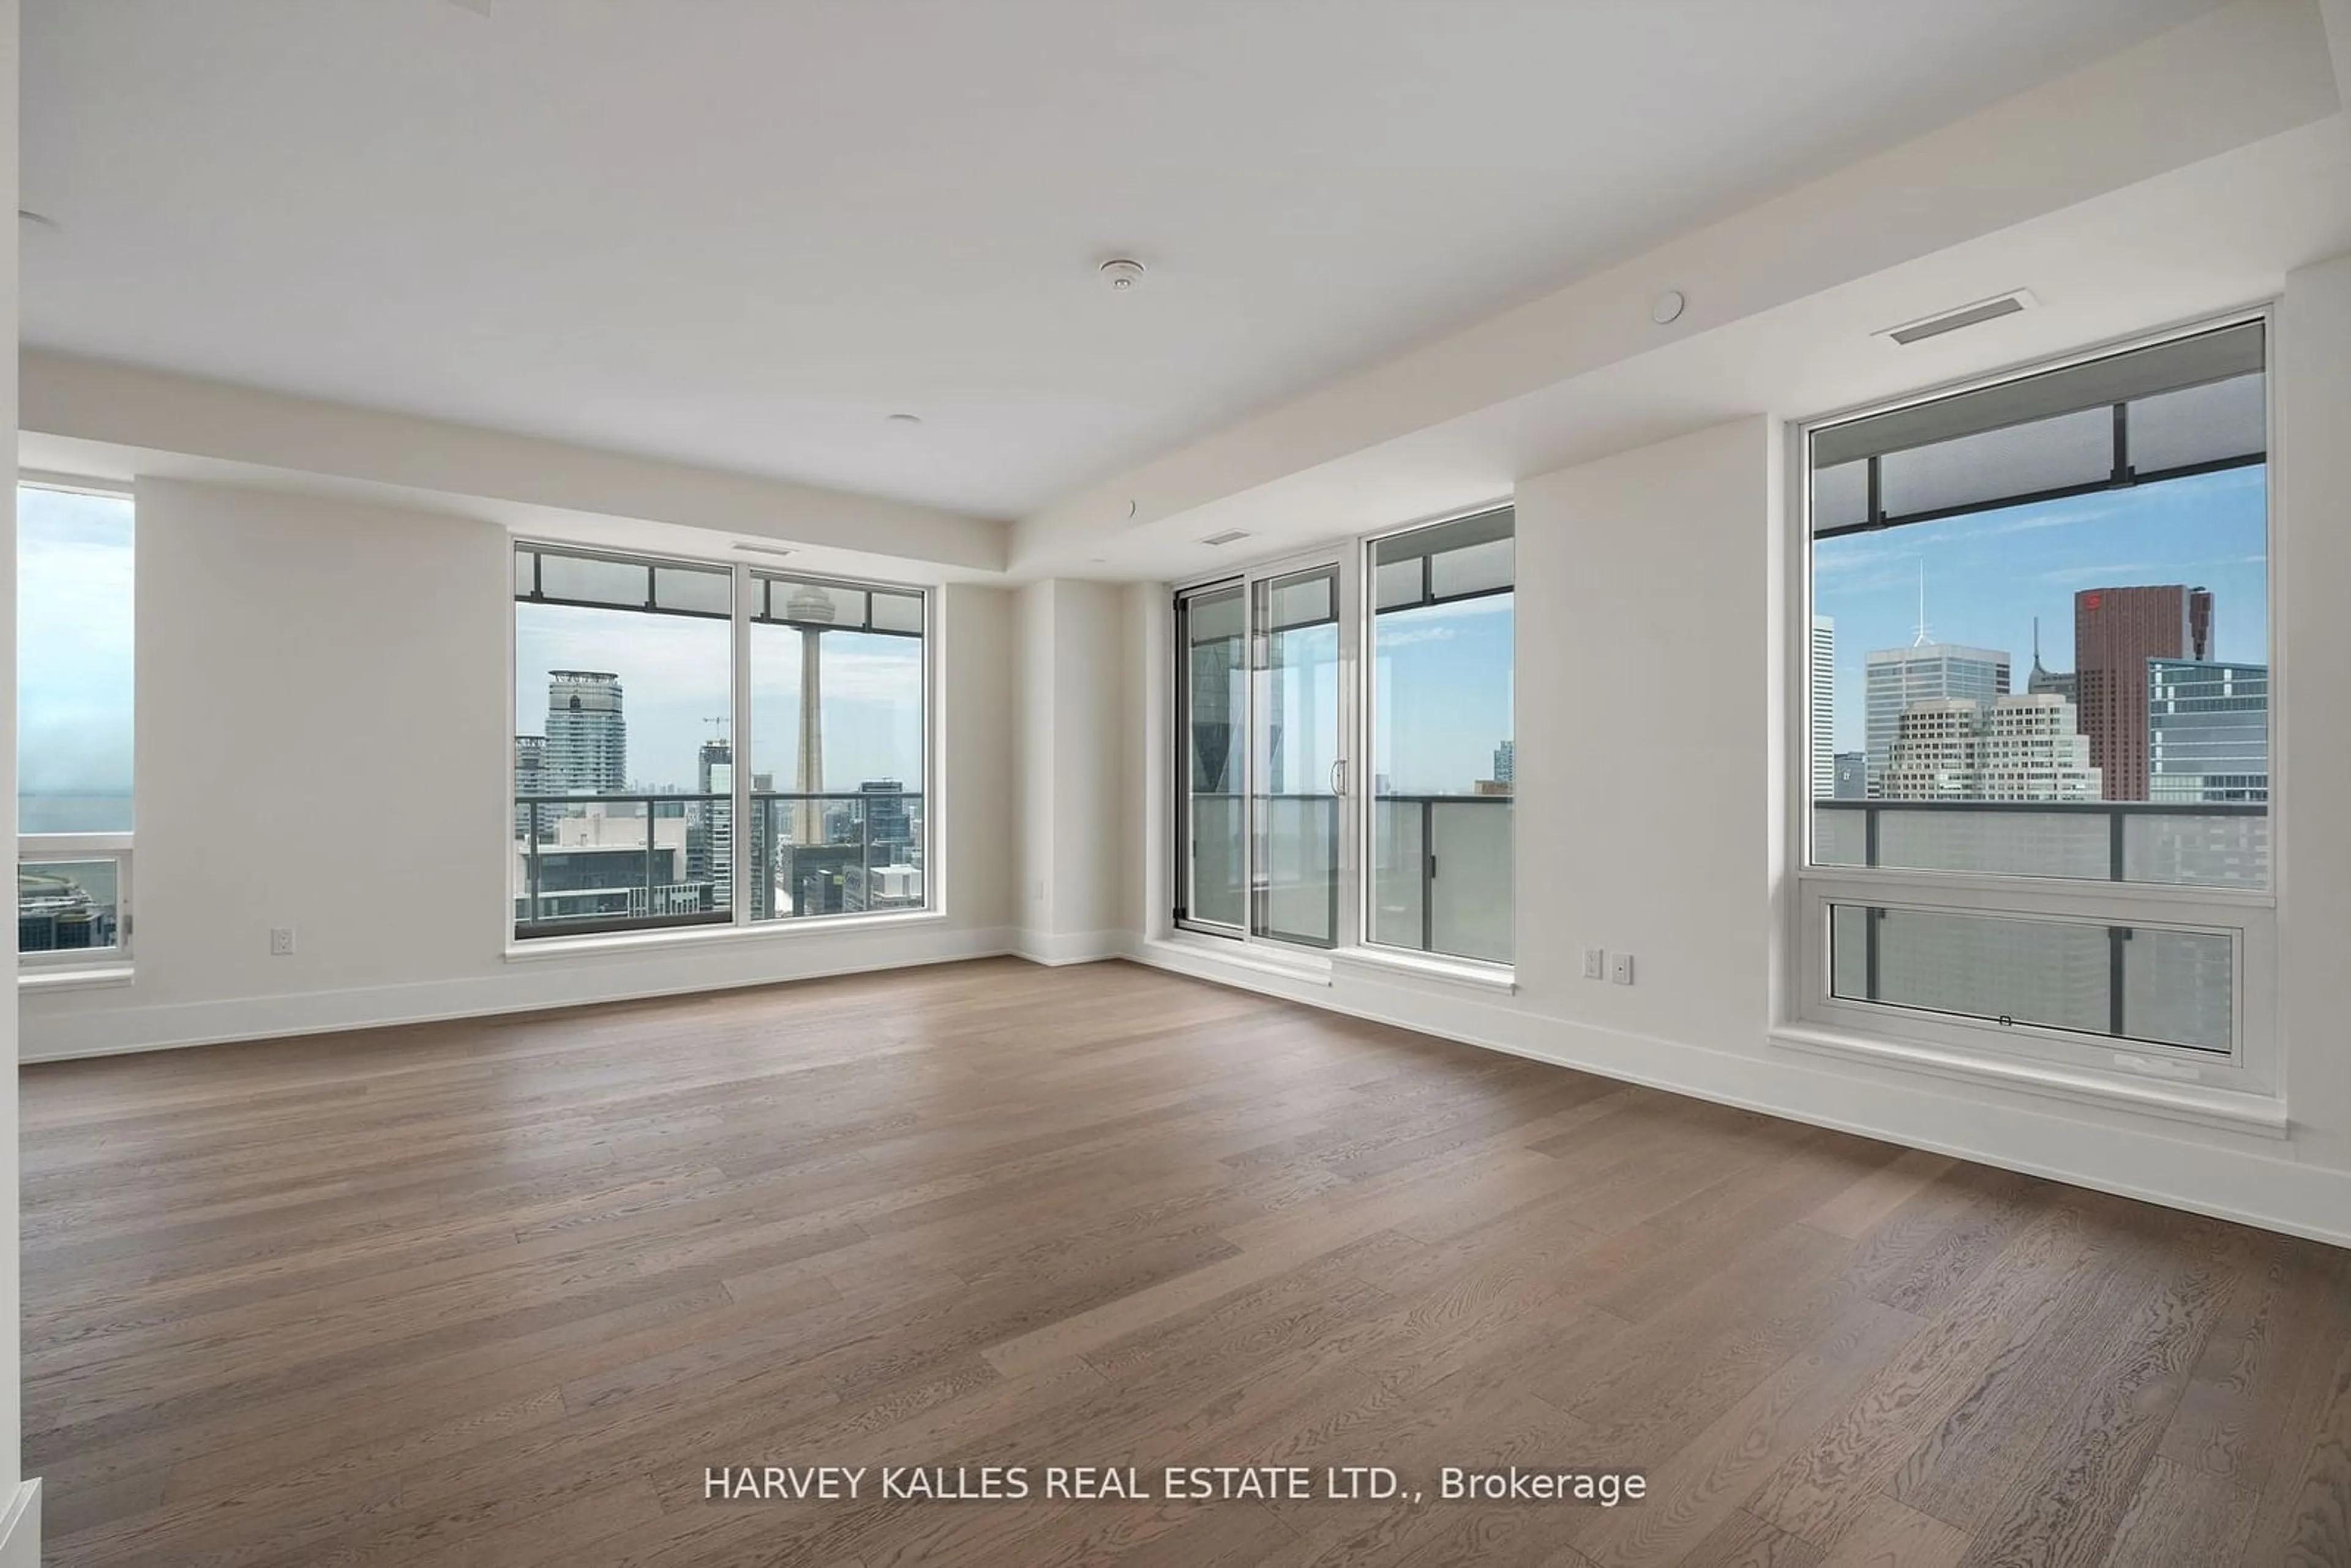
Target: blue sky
1989, 574
1442, 688
74, 613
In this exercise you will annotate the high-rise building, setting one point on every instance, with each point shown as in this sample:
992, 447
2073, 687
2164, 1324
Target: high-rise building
1896, 679
1823, 680
1851, 778
2207, 731
887, 830
587, 737
530, 778
710, 842
2016, 747
1506, 762
2116, 632
2048, 683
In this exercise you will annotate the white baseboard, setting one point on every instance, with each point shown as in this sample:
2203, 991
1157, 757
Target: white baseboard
2246, 1178
1053, 949
87, 1031
20, 1528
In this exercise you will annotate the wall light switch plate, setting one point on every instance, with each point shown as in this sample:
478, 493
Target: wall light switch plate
281, 941
1620, 969
1595, 963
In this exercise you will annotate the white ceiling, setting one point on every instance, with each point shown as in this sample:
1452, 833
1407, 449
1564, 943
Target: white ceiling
740, 232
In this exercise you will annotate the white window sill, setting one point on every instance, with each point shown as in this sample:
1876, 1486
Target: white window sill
2232, 1110
1389, 963
1183, 947
90, 977
608, 943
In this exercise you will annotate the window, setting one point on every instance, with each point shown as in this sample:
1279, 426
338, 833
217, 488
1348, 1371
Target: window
2037, 729
74, 632
1274, 841
836, 802
1443, 758
628, 810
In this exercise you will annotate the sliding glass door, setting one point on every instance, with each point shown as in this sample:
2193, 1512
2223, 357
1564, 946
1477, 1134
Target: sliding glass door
1265, 731
1212, 634
1295, 766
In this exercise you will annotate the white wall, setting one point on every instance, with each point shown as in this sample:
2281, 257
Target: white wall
323, 743
1072, 814
1660, 570
2314, 497
19, 1534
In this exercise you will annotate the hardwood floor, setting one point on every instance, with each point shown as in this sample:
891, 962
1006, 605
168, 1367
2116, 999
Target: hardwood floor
498, 1293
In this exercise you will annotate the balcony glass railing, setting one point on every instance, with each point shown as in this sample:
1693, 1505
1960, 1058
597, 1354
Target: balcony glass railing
1440, 874
1439, 871
69, 910
584, 864
2206, 844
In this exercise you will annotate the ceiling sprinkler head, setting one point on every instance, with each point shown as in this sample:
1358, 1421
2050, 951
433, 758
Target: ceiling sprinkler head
1122, 274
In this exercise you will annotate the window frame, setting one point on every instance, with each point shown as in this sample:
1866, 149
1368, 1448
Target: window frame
743, 577
33, 849
1367, 729
1355, 558
2246, 916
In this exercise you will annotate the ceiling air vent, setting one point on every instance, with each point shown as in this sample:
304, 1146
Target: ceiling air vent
1228, 537
1982, 310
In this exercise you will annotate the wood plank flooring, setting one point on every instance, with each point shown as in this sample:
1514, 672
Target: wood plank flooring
498, 1292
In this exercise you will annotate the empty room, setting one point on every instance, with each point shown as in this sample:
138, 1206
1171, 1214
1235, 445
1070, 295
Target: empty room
768, 760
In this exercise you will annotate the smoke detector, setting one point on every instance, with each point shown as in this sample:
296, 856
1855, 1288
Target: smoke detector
1122, 274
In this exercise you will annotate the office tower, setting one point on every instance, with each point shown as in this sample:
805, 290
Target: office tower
710, 844
587, 737
1506, 762
1822, 676
2116, 632
2017, 748
530, 778
2207, 731
1896, 679
886, 828
1851, 779
2048, 683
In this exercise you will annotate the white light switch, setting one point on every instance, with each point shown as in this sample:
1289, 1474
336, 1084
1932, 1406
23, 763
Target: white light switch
1595, 963
1620, 969
281, 941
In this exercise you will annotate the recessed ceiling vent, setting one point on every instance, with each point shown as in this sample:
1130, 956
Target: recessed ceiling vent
1982, 310
1228, 537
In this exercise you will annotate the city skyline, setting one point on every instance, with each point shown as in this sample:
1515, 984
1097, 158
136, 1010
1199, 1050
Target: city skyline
1989, 574
676, 673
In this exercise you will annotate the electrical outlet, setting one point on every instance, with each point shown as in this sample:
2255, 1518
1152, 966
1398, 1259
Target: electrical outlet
281, 941
1595, 963
1620, 969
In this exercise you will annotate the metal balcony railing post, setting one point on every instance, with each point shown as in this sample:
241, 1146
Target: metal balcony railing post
1869, 921
1428, 875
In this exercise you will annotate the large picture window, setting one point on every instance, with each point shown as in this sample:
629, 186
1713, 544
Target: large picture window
1443, 755
74, 637
2037, 732
836, 805
630, 811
